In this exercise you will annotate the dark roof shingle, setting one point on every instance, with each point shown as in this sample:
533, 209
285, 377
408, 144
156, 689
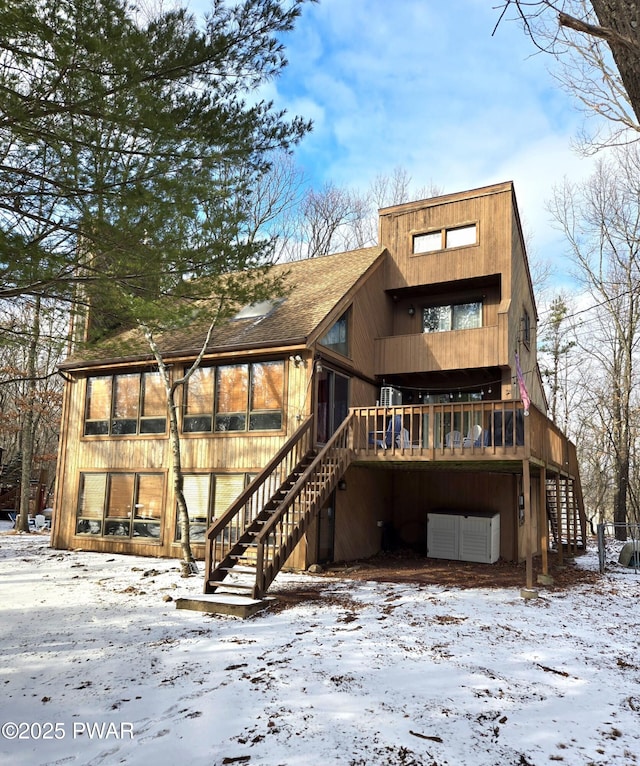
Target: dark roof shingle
314, 287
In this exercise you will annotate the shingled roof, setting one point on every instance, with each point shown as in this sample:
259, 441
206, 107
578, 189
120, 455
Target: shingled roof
313, 287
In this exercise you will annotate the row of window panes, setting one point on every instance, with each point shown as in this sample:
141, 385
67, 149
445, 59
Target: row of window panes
208, 496
125, 404
442, 239
241, 397
459, 316
238, 397
120, 504
129, 505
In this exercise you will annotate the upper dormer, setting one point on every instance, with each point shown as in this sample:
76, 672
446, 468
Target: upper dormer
451, 238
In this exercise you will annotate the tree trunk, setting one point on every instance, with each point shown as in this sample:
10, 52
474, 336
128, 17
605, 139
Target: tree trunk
22, 524
623, 446
620, 498
622, 17
189, 565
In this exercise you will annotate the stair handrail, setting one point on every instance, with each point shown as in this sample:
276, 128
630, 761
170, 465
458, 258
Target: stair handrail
574, 467
217, 525
339, 437
304, 431
304, 477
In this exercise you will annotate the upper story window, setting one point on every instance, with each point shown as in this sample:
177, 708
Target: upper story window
235, 397
337, 338
458, 236
132, 403
458, 316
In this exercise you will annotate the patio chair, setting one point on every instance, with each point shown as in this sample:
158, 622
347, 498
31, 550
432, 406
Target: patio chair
395, 434
474, 437
453, 439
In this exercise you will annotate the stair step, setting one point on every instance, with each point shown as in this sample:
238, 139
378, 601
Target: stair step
238, 568
243, 561
225, 587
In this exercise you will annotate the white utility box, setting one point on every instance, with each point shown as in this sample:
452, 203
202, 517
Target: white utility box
463, 536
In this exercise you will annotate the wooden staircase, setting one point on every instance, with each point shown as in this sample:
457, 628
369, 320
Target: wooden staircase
565, 512
248, 545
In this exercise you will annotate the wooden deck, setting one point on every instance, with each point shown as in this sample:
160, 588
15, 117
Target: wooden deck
490, 434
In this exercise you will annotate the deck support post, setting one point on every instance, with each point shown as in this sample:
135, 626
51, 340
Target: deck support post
544, 578
528, 591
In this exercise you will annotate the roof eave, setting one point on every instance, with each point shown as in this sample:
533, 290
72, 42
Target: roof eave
219, 351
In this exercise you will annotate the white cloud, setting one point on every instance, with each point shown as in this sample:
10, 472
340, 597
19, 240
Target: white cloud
425, 78
425, 86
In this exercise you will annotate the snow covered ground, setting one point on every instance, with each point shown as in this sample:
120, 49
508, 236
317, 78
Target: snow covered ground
99, 667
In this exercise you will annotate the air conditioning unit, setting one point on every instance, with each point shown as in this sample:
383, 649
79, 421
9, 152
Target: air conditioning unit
390, 396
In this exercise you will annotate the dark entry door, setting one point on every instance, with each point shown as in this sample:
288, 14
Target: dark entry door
332, 402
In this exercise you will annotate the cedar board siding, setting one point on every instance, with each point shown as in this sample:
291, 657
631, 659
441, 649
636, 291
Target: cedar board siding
417, 493
411, 350
215, 453
368, 500
522, 299
451, 350
489, 210
403, 324
371, 317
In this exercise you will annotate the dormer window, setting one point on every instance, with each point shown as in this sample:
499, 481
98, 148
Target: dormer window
444, 239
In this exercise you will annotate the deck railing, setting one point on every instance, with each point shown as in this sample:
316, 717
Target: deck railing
460, 431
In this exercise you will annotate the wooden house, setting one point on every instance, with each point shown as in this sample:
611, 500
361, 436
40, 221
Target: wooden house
379, 404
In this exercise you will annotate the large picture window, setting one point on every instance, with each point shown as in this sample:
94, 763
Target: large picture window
208, 496
126, 505
235, 397
458, 316
117, 405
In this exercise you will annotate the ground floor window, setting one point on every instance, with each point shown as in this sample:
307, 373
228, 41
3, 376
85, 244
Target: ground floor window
208, 495
121, 505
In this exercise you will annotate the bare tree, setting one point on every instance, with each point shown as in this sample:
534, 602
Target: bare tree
594, 453
336, 219
325, 222
597, 49
33, 333
601, 220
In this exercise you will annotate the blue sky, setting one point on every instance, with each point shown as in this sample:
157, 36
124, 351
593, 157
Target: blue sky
423, 85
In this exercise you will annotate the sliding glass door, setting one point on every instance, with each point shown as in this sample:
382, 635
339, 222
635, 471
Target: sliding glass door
332, 403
